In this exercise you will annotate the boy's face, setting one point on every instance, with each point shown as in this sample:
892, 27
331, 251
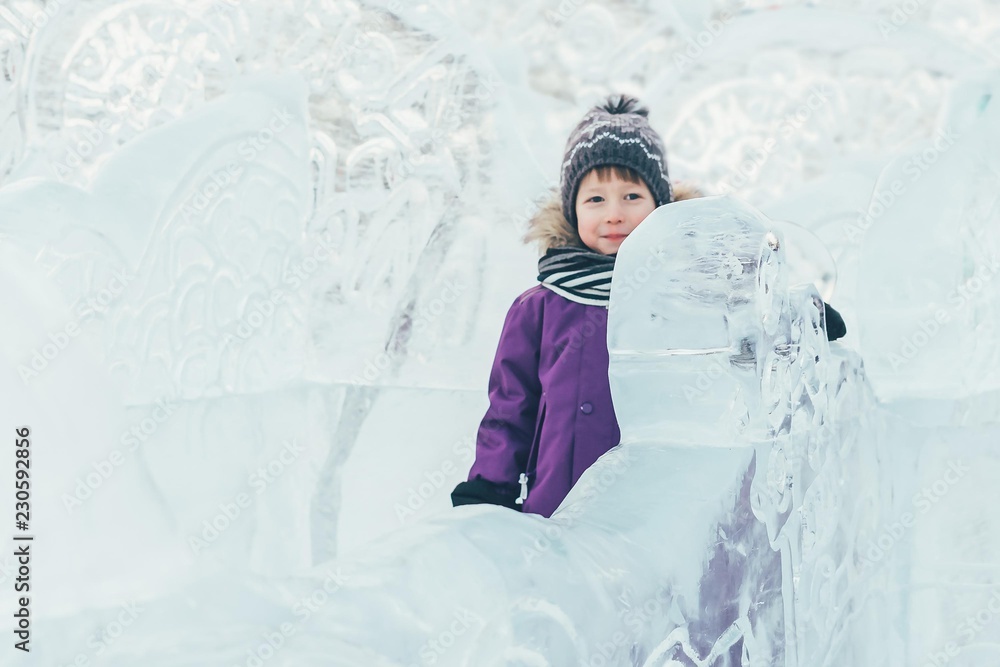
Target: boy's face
607, 212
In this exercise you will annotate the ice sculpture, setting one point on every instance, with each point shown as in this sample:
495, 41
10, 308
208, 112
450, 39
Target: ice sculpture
173, 266
929, 270
381, 169
402, 121
931, 320
723, 530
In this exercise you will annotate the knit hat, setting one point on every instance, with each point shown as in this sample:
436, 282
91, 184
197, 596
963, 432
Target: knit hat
616, 132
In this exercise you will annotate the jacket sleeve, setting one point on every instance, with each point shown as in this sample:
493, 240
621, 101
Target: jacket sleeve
508, 428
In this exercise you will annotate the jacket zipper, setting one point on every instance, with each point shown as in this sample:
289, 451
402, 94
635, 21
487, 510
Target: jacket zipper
523, 481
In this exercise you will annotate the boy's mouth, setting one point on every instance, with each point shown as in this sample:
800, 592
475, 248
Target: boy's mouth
615, 237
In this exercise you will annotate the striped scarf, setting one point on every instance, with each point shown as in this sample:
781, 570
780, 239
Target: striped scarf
578, 274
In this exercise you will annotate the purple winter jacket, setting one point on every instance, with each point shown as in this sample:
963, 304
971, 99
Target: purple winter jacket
550, 413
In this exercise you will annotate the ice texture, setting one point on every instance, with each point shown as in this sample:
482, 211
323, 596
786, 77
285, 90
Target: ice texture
618, 574
422, 137
931, 316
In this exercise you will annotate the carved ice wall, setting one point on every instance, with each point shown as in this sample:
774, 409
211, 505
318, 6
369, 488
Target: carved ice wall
728, 536
426, 134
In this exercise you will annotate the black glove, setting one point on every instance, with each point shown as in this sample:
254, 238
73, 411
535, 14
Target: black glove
481, 490
835, 327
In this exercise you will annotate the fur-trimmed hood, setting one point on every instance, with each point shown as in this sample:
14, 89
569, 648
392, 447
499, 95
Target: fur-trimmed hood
549, 228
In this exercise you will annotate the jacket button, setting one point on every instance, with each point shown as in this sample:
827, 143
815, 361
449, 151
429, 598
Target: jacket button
586, 408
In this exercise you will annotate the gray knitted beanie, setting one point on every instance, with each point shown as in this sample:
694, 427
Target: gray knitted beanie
616, 132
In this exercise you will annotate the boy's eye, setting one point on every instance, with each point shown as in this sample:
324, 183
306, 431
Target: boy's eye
595, 197
636, 194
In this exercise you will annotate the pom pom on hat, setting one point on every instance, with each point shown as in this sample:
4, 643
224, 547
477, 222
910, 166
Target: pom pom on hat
623, 104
